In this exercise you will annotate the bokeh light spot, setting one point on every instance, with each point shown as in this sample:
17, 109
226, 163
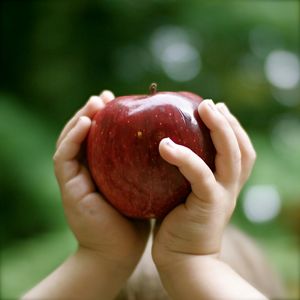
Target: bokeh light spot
282, 69
175, 53
261, 203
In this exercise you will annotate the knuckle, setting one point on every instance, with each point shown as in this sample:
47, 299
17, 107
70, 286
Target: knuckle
203, 182
57, 144
251, 155
55, 158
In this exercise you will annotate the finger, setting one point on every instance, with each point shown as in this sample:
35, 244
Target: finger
78, 186
107, 96
94, 104
89, 109
228, 153
248, 154
65, 155
192, 167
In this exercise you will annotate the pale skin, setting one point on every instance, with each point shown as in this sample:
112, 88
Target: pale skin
186, 242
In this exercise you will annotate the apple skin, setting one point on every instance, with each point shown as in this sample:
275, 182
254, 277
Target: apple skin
123, 156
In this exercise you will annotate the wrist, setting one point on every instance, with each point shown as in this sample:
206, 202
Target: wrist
193, 270
105, 261
84, 275
110, 275
167, 259
178, 262
205, 277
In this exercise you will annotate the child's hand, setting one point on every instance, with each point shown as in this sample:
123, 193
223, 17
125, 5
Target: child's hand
109, 244
196, 227
98, 227
187, 244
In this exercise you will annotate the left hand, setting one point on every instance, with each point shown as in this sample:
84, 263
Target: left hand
99, 228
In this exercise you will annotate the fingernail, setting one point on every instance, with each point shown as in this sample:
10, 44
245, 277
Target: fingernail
210, 104
170, 143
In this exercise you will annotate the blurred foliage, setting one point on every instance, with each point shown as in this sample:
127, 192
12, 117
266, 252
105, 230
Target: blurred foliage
54, 54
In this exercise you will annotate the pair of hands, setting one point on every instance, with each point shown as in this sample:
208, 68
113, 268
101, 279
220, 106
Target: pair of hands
194, 228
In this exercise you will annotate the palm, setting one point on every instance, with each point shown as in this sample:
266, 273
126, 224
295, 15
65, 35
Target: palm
98, 226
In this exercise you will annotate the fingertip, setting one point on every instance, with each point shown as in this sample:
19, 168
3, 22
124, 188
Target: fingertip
207, 100
207, 106
167, 142
222, 107
107, 96
85, 120
94, 99
224, 110
166, 148
95, 103
208, 112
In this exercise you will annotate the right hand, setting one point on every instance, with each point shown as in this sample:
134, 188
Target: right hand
195, 228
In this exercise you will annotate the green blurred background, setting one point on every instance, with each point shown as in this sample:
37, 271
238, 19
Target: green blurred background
54, 54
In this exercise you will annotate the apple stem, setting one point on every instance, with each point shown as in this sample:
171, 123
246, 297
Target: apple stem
153, 88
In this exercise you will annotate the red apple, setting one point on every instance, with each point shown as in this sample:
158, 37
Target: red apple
123, 156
